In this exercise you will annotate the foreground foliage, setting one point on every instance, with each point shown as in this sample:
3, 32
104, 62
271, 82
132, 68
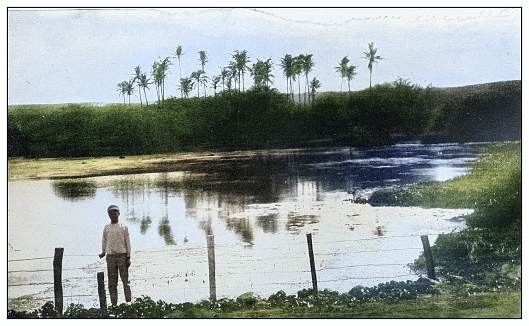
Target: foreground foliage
387, 300
486, 255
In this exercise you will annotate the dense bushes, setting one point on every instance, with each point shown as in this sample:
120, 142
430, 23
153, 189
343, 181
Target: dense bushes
145, 307
258, 118
488, 253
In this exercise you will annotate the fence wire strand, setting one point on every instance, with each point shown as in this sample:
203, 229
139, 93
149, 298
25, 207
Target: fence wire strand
221, 251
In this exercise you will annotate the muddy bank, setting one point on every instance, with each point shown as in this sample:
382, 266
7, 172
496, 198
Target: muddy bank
63, 168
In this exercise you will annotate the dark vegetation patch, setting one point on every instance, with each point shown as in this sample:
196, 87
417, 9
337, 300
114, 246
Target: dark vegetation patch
263, 118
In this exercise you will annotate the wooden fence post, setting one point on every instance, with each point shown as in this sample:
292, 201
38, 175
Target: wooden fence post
430, 268
211, 262
101, 291
312, 264
57, 279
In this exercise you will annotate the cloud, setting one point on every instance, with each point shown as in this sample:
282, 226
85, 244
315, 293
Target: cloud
72, 55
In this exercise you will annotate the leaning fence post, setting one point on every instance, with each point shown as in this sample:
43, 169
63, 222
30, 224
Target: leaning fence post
101, 291
428, 256
57, 279
312, 264
211, 262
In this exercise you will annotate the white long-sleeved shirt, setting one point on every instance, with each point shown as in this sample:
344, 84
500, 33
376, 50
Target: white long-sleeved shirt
116, 239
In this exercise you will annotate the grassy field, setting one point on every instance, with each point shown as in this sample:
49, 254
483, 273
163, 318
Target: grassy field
485, 305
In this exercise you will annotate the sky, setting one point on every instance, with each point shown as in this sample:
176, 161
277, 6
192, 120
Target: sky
69, 55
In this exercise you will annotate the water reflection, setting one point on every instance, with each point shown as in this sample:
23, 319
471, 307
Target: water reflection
268, 223
164, 229
74, 189
242, 227
296, 222
251, 200
220, 187
145, 224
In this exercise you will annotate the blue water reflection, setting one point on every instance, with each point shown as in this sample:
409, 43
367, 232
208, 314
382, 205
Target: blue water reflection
250, 201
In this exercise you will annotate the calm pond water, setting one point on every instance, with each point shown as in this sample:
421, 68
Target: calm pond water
259, 206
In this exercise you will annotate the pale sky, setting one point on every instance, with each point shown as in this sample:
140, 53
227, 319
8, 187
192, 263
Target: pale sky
73, 55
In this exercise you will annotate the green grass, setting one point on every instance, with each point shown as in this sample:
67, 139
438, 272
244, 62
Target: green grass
495, 168
485, 305
499, 165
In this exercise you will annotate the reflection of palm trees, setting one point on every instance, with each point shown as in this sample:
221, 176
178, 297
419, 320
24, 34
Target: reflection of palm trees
164, 229
145, 224
242, 227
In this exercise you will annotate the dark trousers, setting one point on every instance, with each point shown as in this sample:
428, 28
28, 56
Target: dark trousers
117, 264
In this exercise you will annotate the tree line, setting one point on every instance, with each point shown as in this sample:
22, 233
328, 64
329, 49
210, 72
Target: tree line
232, 76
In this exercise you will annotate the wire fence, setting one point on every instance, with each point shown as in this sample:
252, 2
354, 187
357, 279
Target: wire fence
181, 274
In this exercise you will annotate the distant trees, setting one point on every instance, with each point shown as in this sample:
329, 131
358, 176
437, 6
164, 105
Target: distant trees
232, 76
342, 69
159, 73
306, 65
350, 73
137, 71
178, 54
144, 83
196, 77
262, 72
215, 83
287, 64
126, 88
186, 86
372, 57
314, 85
240, 63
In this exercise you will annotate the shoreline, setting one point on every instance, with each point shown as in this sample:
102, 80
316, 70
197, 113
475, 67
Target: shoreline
70, 168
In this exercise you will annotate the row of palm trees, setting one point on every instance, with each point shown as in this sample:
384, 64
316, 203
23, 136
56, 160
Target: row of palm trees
232, 76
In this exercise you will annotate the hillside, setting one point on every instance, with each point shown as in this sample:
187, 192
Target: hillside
483, 112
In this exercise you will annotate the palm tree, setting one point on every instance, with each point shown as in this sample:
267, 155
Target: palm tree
144, 83
307, 64
298, 70
159, 73
129, 88
126, 88
267, 72
137, 74
241, 63
178, 53
372, 57
287, 63
155, 71
262, 72
186, 85
314, 85
203, 58
203, 80
198, 78
232, 75
225, 77
215, 82
122, 90
164, 66
350, 73
342, 69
